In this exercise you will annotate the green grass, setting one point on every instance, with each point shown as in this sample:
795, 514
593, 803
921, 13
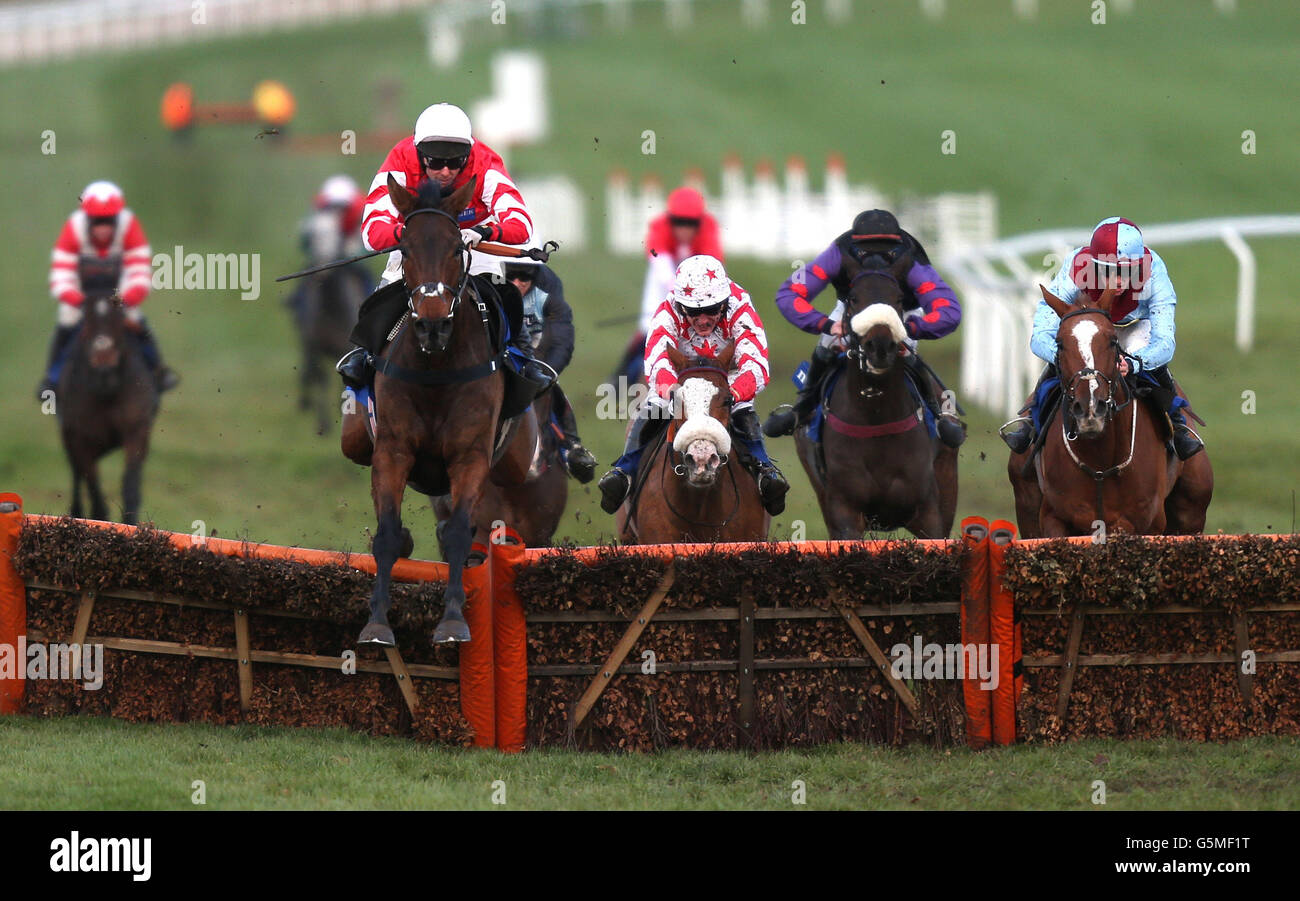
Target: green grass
1067, 122
92, 763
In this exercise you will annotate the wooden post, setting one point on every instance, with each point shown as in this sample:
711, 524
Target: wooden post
882, 662
1070, 663
82, 625
615, 660
244, 660
403, 678
1241, 644
745, 669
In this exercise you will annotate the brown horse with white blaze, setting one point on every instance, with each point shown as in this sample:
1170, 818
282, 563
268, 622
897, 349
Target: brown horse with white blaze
708, 495
1107, 460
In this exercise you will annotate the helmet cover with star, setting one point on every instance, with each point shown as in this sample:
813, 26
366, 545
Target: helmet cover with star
701, 282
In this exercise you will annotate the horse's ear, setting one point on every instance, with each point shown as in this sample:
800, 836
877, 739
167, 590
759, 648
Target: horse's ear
1107, 298
1059, 307
402, 198
677, 358
726, 355
459, 199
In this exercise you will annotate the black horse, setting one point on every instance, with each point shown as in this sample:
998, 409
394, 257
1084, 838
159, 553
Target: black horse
878, 467
106, 399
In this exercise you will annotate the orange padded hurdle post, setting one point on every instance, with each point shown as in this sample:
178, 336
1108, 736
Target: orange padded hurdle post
477, 676
1003, 631
975, 627
13, 603
510, 645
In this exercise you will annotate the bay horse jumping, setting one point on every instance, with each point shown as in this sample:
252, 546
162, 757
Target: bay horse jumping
878, 467
707, 495
1107, 460
106, 398
439, 390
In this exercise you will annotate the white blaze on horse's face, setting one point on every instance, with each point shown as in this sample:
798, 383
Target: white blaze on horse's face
703, 441
1085, 331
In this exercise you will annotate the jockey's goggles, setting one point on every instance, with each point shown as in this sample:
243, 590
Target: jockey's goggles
712, 310
683, 222
440, 162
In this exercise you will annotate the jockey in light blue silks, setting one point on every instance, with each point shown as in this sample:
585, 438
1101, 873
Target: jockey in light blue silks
1143, 314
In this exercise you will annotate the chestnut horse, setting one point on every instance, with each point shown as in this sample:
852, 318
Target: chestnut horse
437, 415
1107, 459
882, 469
709, 495
106, 399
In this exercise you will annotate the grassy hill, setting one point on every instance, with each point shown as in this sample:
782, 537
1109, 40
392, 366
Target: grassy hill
1068, 122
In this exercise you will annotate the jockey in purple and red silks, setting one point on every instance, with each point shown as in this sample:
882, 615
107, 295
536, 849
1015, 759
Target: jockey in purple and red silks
931, 311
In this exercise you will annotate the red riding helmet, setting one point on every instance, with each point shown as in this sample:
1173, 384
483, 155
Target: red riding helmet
102, 199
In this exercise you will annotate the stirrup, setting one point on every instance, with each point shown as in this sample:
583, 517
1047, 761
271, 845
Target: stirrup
781, 421
1022, 440
606, 486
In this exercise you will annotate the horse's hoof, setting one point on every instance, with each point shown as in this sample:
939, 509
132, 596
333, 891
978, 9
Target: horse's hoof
408, 544
377, 635
451, 629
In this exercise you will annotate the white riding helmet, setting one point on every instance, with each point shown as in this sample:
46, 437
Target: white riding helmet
338, 190
445, 123
701, 282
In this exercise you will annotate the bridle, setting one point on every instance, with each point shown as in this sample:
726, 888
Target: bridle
1089, 374
680, 468
1110, 407
854, 351
439, 289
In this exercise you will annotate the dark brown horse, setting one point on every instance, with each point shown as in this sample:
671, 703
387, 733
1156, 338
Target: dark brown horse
325, 315
878, 467
1106, 459
709, 495
527, 488
106, 399
438, 408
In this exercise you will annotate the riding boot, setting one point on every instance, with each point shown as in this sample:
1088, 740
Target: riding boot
1185, 440
1018, 433
615, 484
577, 459
772, 485
529, 367
164, 377
355, 368
784, 422
54, 364
948, 425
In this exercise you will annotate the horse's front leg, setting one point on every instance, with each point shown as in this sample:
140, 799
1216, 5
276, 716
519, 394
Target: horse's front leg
388, 474
136, 449
467, 476
844, 521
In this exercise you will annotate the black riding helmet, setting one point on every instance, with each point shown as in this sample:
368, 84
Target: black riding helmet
877, 240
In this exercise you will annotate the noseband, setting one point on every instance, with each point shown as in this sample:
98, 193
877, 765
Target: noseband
854, 351
1089, 374
439, 289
